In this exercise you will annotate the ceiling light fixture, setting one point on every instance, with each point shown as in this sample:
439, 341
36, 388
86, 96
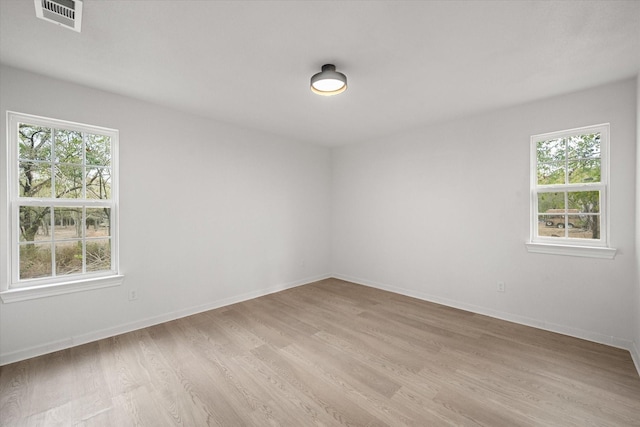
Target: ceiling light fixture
329, 81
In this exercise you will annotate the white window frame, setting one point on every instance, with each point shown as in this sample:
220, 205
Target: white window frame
593, 248
13, 289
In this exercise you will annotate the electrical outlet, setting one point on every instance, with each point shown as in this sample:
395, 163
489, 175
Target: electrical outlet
501, 287
133, 294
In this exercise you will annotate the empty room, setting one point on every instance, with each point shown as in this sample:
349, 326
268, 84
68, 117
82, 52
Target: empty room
319, 213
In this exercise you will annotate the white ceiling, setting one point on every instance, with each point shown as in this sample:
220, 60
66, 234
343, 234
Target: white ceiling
408, 63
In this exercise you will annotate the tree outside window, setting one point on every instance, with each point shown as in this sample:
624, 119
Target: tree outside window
62, 200
569, 186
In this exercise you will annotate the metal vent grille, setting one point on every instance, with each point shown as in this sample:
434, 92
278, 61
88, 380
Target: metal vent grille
67, 13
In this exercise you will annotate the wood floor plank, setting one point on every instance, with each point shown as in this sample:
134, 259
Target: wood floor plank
331, 353
314, 383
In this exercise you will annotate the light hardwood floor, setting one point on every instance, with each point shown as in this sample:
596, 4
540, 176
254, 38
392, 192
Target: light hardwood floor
328, 353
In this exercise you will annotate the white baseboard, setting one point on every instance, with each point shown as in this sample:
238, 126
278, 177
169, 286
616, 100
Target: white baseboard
635, 355
151, 321
52, 346
510, 317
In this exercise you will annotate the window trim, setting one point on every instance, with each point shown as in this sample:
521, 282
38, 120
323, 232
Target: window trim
12, 289
41, 291
599, 248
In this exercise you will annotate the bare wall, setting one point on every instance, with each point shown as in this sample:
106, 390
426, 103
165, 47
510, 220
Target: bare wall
442, 213
212, 214
636, 320
209, 214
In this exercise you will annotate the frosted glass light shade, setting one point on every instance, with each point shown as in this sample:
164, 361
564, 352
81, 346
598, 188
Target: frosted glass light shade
328, 82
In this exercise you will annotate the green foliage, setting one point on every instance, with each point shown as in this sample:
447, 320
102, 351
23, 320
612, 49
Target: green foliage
31, 218
571, 160
77, 173
35, 261
98, 182
63, 164
547, 201
34, 142
68, 182
98, 150
574, 159
68, 148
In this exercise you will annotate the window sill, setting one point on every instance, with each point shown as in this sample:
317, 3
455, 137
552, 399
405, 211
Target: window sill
568, 250
43, 291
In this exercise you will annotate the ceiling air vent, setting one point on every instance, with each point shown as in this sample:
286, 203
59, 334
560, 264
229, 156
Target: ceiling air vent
67, 13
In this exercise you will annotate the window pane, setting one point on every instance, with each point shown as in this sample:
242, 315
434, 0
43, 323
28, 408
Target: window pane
98, 183
34, 223
60, 183
551, 173
552, 150
552, 223
98, 255
35, 260
568, 162
98, 223
98, 150
68, 257
34, 142
584, 201
584, 146
68, 147
67, 223
35, 179
584, 226
551, 202
68, 182
551, 226
582, 171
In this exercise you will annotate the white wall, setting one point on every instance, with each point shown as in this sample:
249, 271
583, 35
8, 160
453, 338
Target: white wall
210, 214
636, 321
439, 213
442, 213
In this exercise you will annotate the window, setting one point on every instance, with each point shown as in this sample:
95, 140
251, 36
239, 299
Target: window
62, 200
569, 171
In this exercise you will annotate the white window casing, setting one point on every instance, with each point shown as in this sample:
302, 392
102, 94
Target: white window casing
82, 203
553, 230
